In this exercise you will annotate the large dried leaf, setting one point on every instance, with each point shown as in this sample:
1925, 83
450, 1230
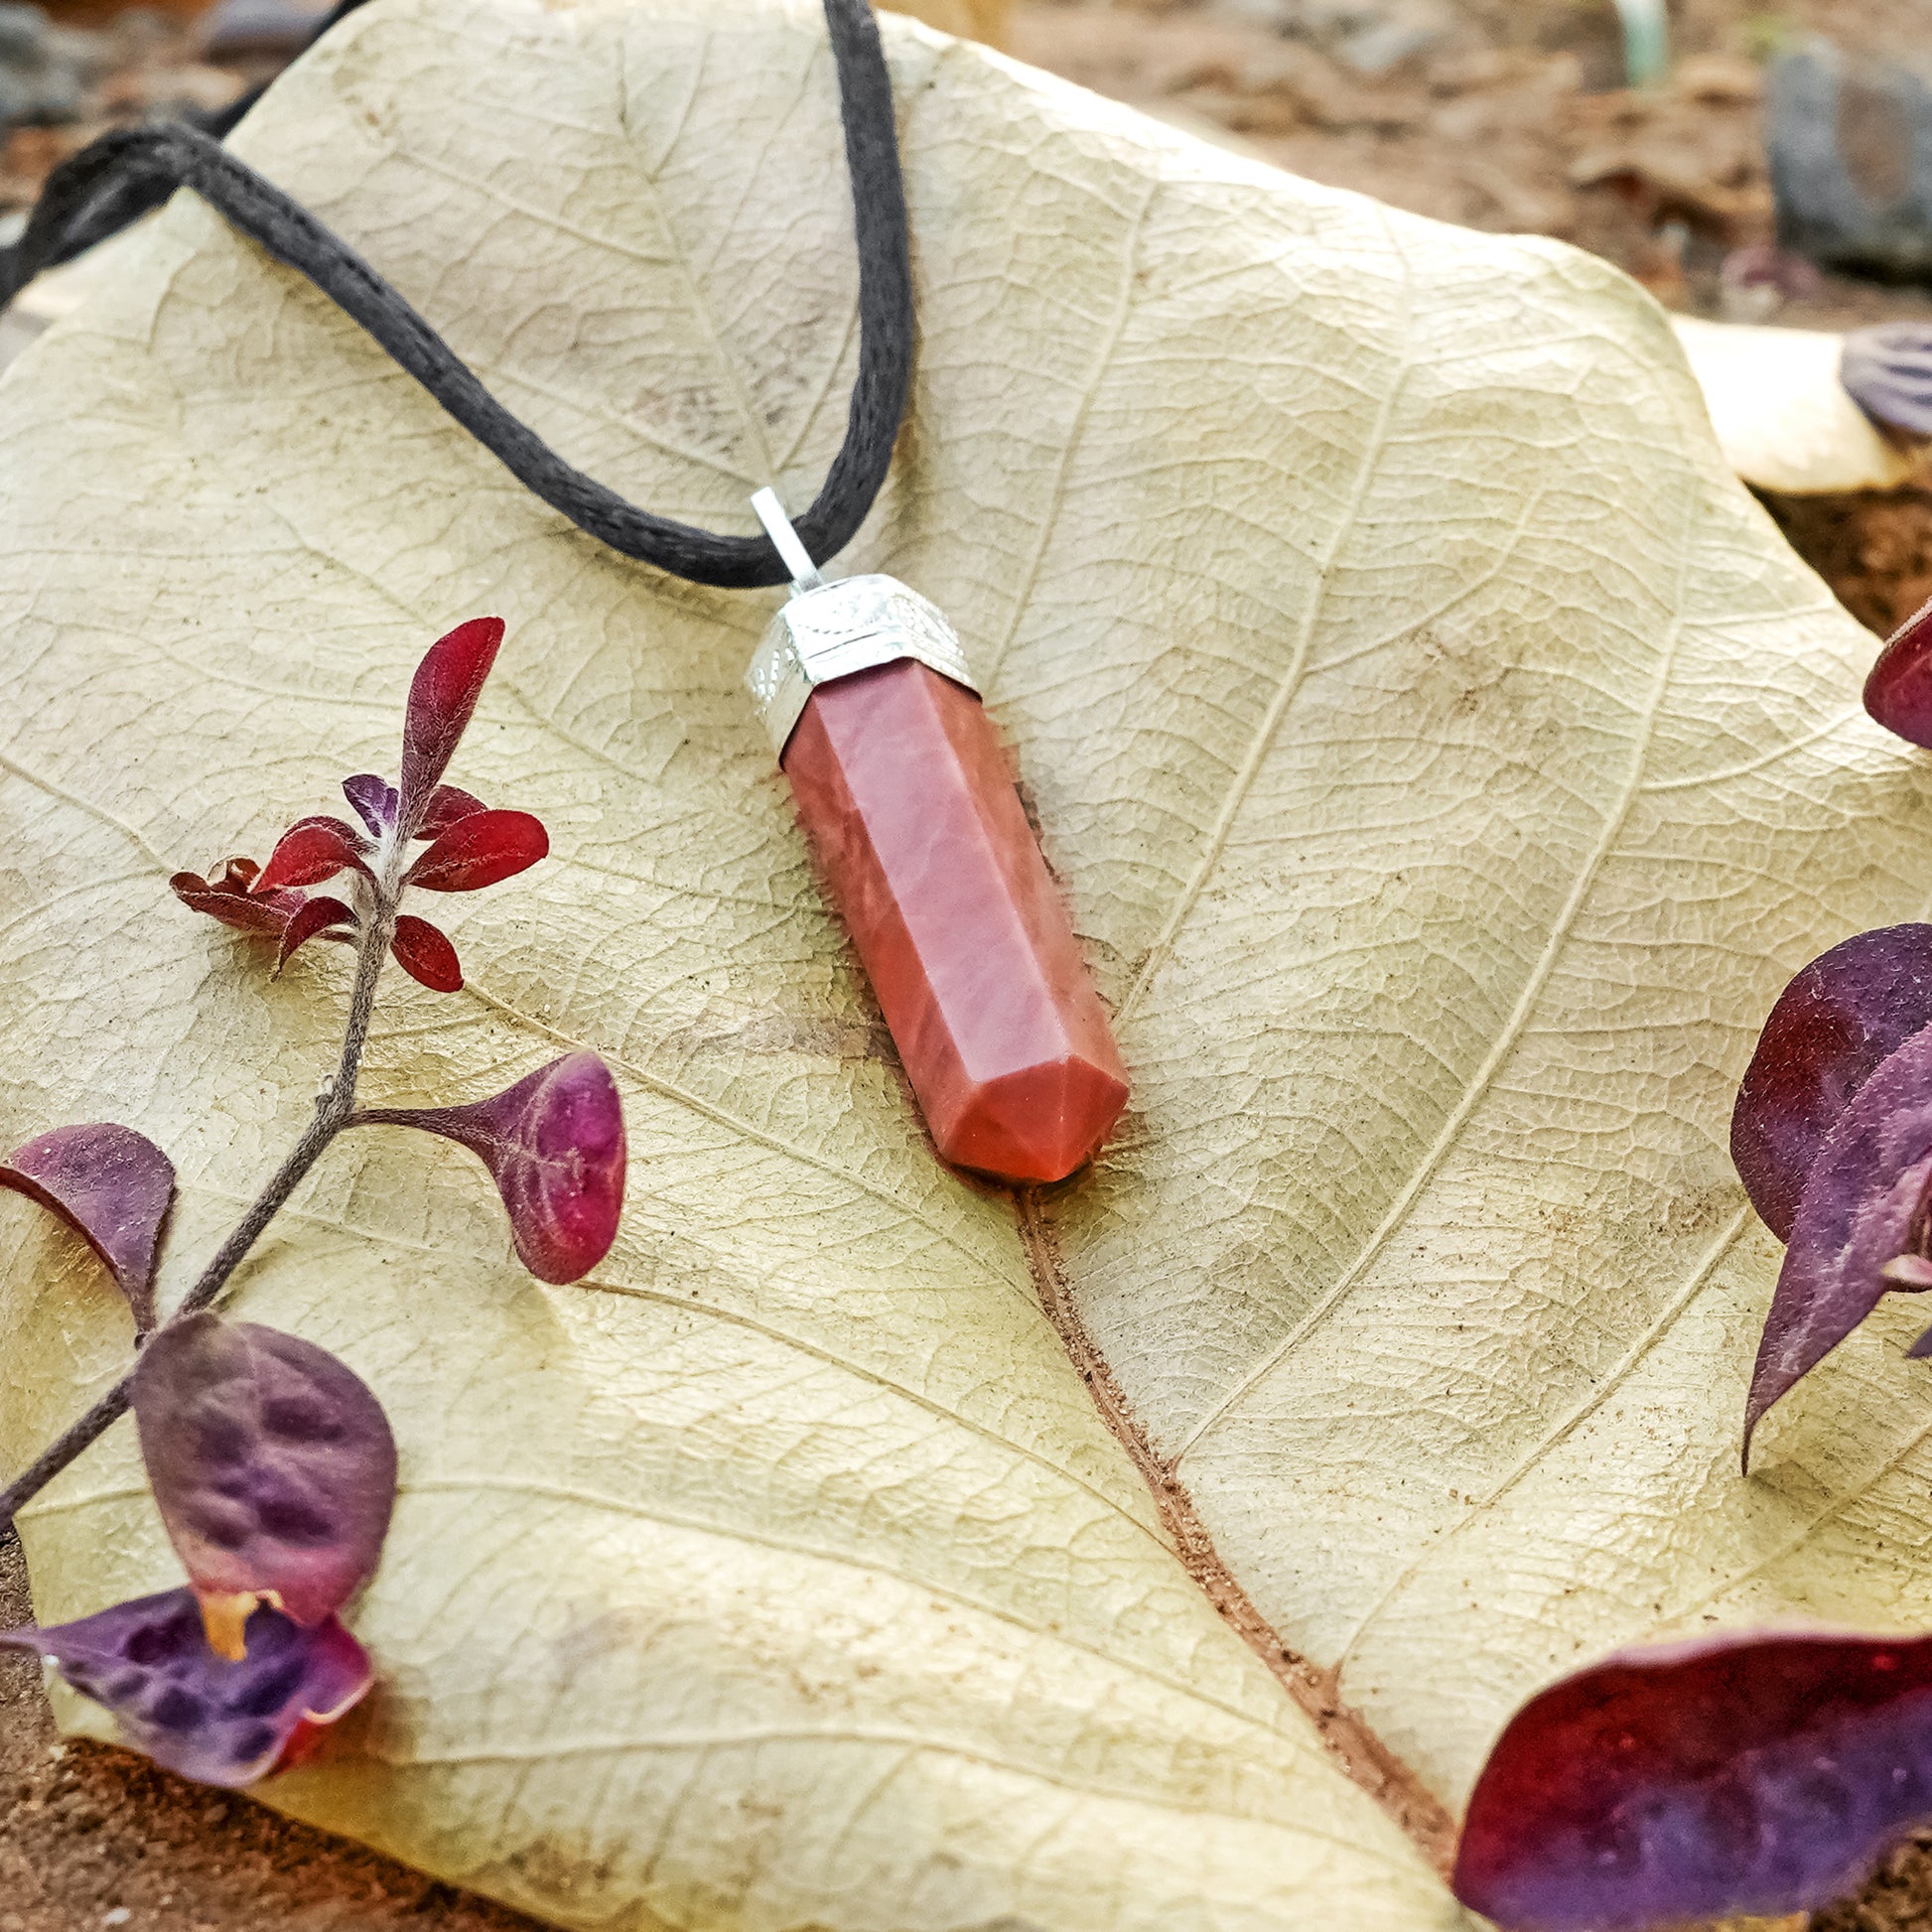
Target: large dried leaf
1448, 764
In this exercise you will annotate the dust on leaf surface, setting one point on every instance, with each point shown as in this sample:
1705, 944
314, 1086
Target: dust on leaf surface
1446, 764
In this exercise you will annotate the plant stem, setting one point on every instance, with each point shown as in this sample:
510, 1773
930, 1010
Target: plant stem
332, 1112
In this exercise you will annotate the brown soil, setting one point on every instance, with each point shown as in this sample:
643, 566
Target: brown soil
1512, 121
1875, 550
96, 1838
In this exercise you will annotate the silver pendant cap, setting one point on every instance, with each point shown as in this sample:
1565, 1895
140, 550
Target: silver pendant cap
834, 630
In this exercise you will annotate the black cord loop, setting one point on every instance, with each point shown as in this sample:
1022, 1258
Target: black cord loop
125, 174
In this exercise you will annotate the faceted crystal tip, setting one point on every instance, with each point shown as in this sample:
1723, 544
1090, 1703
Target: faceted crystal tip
1039, 1125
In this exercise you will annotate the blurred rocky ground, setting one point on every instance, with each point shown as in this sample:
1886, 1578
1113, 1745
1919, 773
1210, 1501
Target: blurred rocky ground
1511, 114
1506, 114
63, 82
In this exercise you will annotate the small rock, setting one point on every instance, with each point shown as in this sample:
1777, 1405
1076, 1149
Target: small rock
1850, 146
23, 35
43, 71
118, 1916
242, 32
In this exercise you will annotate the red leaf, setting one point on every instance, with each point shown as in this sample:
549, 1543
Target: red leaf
479, 851
447, 804
309, 850
318, 918
114, 1187
375, 801
1832, 1026
1899, 693
442, 698
217, 1722
1739, 1775
1862, 1207
426, 955
554, 1144
230, 902
272, 1465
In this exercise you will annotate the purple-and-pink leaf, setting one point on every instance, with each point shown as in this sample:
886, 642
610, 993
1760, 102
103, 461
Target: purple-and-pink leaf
1899, 693
373, 799
448, 805
319, 918
442, 699
232, 898
114, 1187
1743, 1774
480, 850
1863, 1206
310, 851
272, 1465
1844, 1014
424, 952
203, 1717
554, 1144
1886, 369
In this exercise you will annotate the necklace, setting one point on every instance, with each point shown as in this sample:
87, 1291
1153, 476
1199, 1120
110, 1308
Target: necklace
863, 686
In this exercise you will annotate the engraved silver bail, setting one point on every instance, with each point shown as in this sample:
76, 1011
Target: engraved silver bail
830, 631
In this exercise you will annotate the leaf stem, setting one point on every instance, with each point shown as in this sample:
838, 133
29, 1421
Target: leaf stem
334, 1111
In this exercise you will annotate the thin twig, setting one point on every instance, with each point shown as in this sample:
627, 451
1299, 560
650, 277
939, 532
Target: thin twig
332, 1113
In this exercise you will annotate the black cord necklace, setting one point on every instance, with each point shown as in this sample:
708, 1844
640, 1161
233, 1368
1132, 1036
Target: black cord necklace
860, 682
123, 175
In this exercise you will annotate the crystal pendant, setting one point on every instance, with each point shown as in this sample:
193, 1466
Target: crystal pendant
910, 808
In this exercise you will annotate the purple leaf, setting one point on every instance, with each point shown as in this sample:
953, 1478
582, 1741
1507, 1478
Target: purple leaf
375, 801
424, 952
1899, 693
447, 804
192, 1711
554, 1144
1746, 1774
310, 851
1887, 369
114, 1187
319, 918
1832, 1026
442, 698
479, 850
272, 1465
1862, 1207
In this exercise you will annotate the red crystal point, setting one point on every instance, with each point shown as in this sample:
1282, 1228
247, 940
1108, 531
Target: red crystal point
905, 793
